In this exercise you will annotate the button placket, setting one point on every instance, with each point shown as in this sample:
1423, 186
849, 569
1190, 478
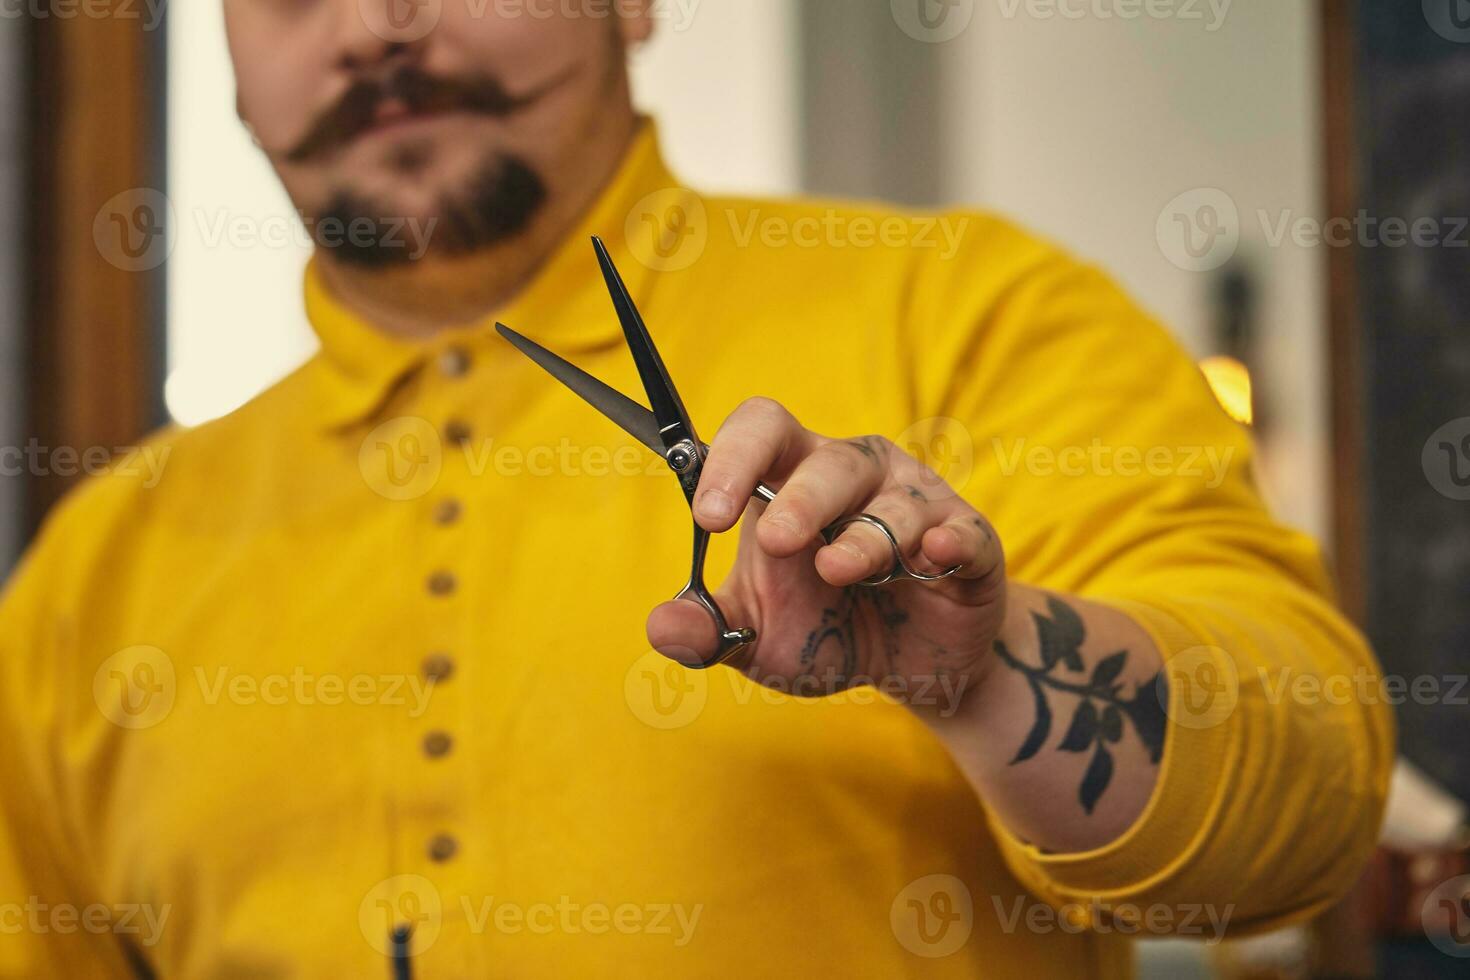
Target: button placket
445, 512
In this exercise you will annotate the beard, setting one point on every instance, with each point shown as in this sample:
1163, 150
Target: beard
499, 203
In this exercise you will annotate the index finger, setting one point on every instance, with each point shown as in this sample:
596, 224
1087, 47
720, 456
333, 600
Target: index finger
760, 440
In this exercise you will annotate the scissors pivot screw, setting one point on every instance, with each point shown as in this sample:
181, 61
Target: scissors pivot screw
682, 457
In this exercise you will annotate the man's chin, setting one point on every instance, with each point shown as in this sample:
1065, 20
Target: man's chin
377, 223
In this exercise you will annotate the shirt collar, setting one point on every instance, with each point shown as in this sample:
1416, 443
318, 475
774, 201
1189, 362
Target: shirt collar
565, 304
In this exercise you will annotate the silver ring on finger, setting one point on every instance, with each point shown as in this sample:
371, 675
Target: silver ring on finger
900, 569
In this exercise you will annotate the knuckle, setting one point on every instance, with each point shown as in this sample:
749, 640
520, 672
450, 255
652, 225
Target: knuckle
798, 496
761, 408
840, 457
903, 498
873, 451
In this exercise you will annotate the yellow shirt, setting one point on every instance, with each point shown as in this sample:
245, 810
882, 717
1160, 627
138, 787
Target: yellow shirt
221, 756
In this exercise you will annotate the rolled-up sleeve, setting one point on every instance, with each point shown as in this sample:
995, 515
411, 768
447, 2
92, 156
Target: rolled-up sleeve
1111, 472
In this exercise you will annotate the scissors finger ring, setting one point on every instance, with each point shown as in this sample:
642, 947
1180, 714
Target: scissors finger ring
901, 568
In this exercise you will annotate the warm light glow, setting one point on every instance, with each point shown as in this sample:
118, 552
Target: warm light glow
1231, 382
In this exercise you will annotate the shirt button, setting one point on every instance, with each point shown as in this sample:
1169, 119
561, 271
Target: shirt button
442, 584
437, 745
438, 667
442, 847
447, 511
457, 432
454, 362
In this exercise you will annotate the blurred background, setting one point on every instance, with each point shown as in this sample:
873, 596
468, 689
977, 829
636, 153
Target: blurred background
1238, 164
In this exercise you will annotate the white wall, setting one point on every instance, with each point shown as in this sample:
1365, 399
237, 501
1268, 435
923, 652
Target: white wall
235, 320
725, 90
234, 310
1085, 129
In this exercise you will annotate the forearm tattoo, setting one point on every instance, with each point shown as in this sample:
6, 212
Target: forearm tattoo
1101, 714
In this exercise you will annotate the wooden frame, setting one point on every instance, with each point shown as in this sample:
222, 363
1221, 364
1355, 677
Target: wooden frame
1344, 936
96, 127
1343, 337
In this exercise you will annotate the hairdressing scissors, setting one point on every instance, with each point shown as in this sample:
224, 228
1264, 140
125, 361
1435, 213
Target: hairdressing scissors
667, 431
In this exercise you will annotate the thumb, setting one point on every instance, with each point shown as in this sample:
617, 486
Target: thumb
684, 631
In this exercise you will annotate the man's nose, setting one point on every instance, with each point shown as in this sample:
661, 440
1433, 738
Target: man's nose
375, 31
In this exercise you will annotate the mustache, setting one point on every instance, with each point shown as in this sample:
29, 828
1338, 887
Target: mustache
422, 93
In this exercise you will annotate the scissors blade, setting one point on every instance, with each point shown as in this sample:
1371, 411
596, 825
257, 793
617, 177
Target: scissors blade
634, 419
668, 408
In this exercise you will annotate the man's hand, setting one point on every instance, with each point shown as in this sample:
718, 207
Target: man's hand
819, 631
1052, 705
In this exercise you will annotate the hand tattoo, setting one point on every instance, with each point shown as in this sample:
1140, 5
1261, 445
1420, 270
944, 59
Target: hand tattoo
837, 633
1061, 635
